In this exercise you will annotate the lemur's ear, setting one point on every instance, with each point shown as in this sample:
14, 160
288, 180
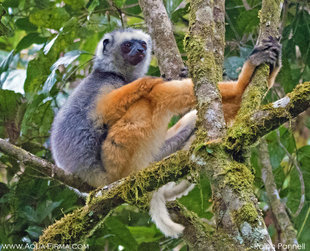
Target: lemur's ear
104, 43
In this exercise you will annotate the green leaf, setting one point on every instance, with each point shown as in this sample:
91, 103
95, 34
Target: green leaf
53, 18
248, 21
276, 152
24, 24
119, 3
34, 231
198, 200
38, 119
92, 5
49, 83
145, 234
30, 214
45, 208
134, 10
42, 4
10, 3
4, 66
29, 39
75, 4
120, 233
37, 72
12, 108
66, 60
171, 6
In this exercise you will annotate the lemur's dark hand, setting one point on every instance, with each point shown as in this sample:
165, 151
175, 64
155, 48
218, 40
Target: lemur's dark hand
269, 52
165, 78
184, 72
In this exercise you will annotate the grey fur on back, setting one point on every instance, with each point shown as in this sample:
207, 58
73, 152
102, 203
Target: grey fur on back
76, 143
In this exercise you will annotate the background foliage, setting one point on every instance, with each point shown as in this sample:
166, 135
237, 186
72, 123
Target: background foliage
46, 48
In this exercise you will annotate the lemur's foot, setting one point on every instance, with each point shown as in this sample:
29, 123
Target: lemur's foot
269, 52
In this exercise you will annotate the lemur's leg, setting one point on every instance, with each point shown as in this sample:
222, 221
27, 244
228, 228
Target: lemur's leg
114, 105
175, 96
125, 138
179, 135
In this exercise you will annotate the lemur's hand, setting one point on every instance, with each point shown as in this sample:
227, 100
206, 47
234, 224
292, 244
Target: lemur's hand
269, 52
146, 84
184, 72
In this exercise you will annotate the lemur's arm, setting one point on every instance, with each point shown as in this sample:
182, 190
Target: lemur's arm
115, 104
176, 96
269, 52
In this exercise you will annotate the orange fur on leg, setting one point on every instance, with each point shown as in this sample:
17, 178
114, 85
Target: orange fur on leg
175, 96
138, 120
114, 105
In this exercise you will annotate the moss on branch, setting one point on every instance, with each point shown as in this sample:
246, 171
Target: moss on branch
250, 127
75, 227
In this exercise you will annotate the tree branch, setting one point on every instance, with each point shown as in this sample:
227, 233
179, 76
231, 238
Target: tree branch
256, 124
165, 47
288, 233
43, 166
269, 26
205, 69
132, 189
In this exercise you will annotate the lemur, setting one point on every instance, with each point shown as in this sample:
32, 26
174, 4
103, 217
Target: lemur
116, 121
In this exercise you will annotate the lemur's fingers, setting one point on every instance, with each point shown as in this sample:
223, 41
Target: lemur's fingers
184, 72
146, 84
268, 52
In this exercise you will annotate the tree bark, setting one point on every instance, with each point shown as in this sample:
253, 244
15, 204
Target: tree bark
288, 233
259, 122
165, 47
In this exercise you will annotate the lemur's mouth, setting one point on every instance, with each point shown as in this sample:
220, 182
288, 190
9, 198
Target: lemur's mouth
135, 59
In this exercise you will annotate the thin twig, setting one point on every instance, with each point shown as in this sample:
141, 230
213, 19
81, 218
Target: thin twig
43, 166
300, 175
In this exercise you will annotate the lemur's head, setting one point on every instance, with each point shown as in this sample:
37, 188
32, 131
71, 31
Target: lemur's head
126, 52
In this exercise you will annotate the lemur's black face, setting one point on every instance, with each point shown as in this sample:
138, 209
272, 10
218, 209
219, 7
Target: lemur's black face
133, 51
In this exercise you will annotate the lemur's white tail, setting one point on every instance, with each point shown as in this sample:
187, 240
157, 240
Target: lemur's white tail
158, 209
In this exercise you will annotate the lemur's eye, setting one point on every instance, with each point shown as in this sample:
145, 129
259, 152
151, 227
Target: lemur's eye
104, 43
144, 45
128, 44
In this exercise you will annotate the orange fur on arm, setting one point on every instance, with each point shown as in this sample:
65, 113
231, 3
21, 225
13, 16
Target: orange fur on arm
232, 89
175, 96
113, 106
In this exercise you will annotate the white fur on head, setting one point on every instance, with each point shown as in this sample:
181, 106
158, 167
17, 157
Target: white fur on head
159, 212
111, 60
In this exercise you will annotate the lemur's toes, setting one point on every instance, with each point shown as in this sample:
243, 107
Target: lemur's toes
268, 52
